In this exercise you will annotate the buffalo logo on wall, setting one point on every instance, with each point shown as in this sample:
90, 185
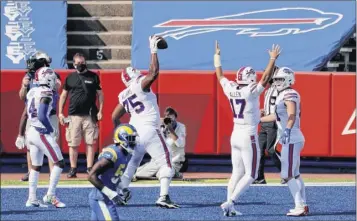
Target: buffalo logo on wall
262, 23
19, 29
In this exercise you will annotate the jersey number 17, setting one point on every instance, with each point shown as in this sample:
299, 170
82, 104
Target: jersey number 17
238, 106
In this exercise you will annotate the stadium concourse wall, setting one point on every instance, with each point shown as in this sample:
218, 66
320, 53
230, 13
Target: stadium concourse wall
328, 110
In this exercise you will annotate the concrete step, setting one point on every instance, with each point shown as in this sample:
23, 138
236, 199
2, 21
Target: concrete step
89, 10
100, 54
100, 39
99, 25
110, 64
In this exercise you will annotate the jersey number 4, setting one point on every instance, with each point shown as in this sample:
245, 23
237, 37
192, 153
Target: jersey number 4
238, 106
136, 105
32, 109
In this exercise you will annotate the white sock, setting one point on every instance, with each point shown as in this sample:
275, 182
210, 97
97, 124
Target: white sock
242, 186
301, 184
295, 192
33, 181
164, 186
232, 184
54, 178
130, 170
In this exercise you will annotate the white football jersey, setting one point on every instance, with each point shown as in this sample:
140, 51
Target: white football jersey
34, 97
244, 102
282, 114
142, 106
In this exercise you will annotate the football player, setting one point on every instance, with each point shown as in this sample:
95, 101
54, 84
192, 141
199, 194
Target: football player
35, 62
39, 139
141, 103
106, 172
287, 115
243, 96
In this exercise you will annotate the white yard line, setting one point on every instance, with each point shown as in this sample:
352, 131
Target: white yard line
187, 185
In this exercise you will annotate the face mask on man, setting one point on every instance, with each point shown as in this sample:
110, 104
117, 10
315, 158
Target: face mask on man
80, 67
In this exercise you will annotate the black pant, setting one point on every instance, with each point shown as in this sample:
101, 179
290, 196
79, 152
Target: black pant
267, 139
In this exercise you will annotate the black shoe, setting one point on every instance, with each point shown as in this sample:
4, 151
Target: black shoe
165, 202
260, 181
127, 194
89, 169
25, 177
72, 173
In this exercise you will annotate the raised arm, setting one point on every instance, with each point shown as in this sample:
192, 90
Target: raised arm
217, 62
154, 65
269, 70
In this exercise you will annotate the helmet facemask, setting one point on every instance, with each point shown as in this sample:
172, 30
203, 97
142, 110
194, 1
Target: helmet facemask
279, 83
128, 142
284, 78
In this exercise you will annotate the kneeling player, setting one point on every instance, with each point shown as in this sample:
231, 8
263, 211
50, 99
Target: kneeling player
287, 115
40, 139
106, 172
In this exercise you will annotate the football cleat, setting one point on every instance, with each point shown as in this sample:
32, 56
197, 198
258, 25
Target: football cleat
306, 208
229, 210
298, 211
126, 195
54, 201
35, 203
165, 202
261, 181
25, 177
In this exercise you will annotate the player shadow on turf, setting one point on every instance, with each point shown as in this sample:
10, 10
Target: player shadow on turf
24, 212
350, 212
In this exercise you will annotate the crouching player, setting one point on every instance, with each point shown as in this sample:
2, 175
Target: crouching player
106, 172
287, 115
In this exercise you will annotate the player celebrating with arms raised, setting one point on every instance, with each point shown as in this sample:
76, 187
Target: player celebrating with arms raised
39, 137
106, 172
287, 115
141, 103
244, 99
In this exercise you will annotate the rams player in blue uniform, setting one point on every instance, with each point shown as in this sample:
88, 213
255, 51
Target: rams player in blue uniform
106, 172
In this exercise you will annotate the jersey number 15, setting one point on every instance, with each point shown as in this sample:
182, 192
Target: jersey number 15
238, 106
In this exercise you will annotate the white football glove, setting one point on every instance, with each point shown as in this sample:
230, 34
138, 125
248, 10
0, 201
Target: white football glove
20, 142
54, 134
153, 40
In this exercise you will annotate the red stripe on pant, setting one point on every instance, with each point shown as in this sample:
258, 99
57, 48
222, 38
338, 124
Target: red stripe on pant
49, 148
254, 161
291, 159
165, 149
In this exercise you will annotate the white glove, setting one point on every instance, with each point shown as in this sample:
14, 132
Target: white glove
153, 40
20, 142
54, 134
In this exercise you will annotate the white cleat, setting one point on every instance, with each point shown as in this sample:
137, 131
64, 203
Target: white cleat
35, 203
229, 210
54, 201
299, 211
306, 208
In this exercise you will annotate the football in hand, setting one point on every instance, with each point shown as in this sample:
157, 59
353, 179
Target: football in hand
162, 44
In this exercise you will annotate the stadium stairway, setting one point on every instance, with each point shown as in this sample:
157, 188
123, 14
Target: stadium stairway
101, 30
